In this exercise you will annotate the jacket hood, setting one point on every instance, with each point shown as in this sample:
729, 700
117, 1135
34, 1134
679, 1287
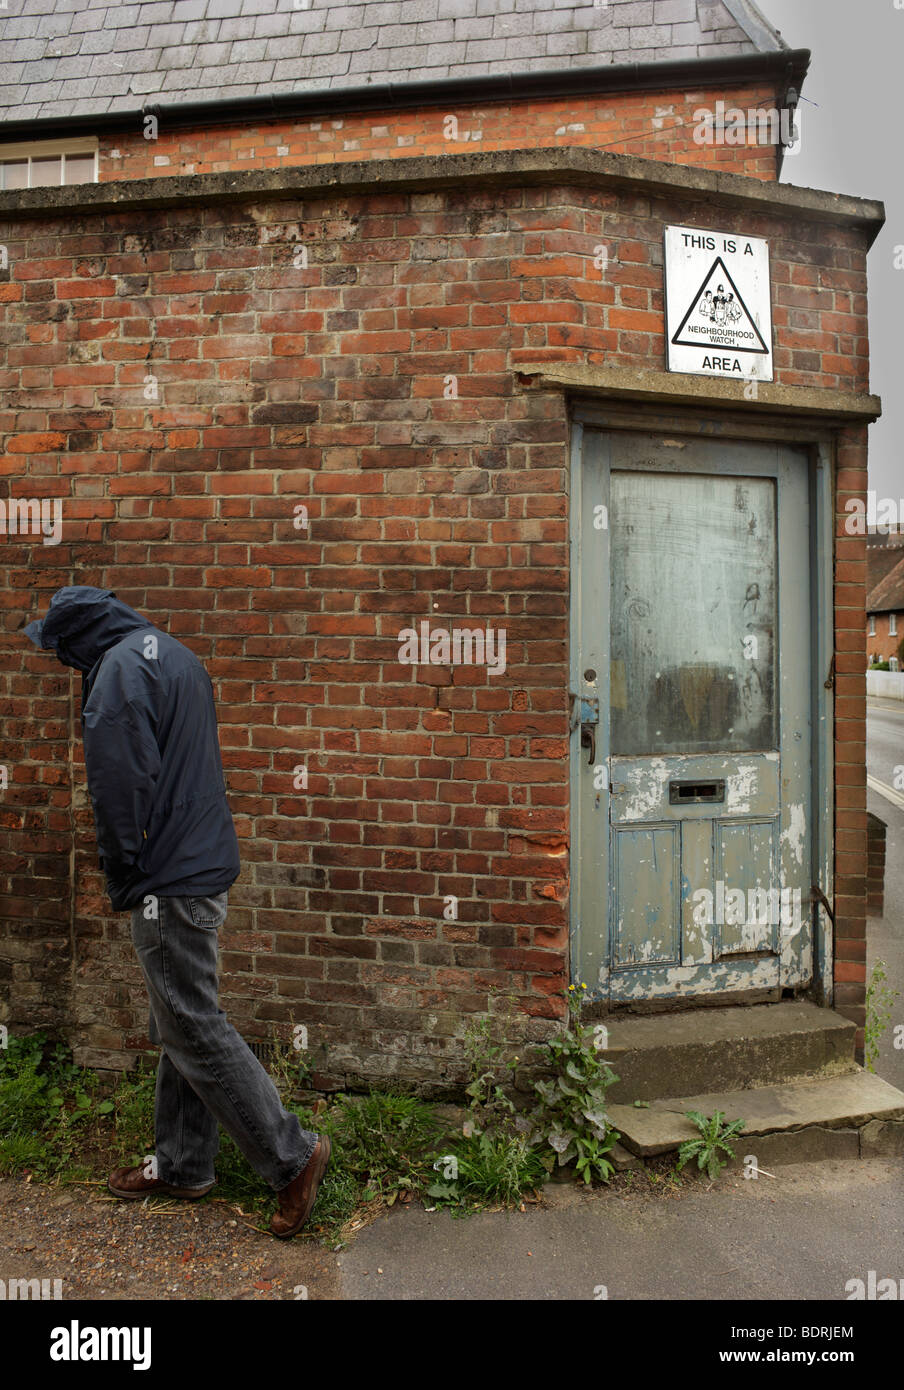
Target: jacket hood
82, 623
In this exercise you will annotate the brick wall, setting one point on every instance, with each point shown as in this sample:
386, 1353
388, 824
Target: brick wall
333, 387
850, 737
649, 125
875, 867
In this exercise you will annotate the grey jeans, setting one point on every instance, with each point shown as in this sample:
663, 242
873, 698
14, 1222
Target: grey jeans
207, 1074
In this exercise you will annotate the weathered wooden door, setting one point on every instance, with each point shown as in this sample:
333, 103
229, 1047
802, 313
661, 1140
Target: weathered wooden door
694, 710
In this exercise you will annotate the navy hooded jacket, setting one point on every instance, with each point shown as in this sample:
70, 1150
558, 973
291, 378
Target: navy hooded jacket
152, 756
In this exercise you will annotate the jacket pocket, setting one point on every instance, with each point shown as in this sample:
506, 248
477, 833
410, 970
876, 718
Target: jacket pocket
208, 912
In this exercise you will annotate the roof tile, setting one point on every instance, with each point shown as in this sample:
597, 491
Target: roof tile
102, 41
241, 51
474, 28
184, 57
133, 40
157, 12
888, 595
527, 46
506, 26
271, 24
165, 35
62, 45
122, 17
51, 26
559, 44
111, 86
309, 44
237, 28
674, 11
357, 38
24, 51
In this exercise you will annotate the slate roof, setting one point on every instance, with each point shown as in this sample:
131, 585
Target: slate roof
883, 551
67, 58
888, 595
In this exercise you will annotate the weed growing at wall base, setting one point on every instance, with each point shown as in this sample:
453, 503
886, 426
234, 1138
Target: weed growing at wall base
880, 998
714, 1136
570, 1123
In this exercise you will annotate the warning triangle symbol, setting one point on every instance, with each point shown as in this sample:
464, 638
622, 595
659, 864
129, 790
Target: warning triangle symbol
718, 316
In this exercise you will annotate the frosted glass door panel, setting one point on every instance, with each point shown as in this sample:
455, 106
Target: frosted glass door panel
693, 613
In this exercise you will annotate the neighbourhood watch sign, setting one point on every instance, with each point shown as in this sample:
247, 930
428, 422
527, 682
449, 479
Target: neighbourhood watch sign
718, 309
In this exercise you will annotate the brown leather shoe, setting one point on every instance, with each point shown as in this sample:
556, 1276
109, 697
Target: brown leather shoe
296, 1202
133, 1183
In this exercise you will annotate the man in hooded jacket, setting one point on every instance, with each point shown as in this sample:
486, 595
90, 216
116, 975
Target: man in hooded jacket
169, 853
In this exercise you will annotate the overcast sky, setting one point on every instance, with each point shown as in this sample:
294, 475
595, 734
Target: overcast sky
851, 142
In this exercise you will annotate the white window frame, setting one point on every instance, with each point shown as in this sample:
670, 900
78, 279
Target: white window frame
42, 149
872, 624
892, 624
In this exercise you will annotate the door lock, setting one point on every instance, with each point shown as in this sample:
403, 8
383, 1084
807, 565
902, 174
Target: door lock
586, 712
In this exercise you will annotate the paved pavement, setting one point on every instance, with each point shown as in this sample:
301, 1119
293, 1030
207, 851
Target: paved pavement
799, 1235
885, 935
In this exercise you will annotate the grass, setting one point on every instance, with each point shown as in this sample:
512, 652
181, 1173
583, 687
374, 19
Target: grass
50, 1110
487, 1168
60, 1123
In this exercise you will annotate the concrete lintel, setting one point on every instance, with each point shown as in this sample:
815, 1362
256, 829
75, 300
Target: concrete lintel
492, 168
677, 388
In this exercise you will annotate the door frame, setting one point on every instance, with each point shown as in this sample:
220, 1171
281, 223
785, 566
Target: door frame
589, 837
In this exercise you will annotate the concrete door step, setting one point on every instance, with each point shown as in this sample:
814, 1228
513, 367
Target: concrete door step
725, 1049
851, 1116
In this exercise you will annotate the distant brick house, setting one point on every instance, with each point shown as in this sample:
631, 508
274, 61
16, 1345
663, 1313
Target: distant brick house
885, 598
322, 324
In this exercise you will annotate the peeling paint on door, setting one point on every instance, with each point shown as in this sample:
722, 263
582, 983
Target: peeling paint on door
703, 578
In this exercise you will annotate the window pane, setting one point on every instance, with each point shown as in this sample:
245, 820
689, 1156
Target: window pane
46, 172
79, 168
15, 173
693, 613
